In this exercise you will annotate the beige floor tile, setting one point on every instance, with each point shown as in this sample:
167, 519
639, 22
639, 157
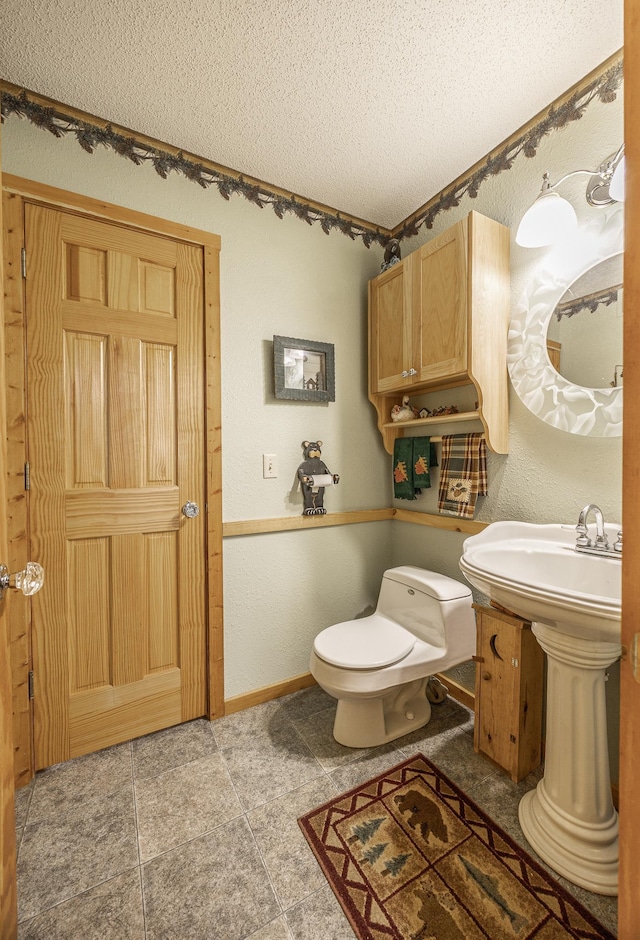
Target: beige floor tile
291, 864
111, 911
183, 803
242, 728
22, 799
156, 753
307, 702
93, 776
213, 888
363, 769
276, 930
61, 856
269, 766
317, 732
319, 917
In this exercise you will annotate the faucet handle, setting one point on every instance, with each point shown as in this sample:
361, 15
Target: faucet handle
617, 545
583, 540
601, 542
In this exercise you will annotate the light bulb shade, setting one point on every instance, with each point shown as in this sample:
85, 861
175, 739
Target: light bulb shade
616, 186
549, 219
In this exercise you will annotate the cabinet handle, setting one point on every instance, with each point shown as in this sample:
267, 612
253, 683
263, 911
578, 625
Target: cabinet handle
413, 371
404, 373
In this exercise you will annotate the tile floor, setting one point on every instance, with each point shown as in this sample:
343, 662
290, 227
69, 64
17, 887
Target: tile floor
191, 832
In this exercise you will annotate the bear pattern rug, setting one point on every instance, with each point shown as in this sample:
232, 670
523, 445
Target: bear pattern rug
410, 857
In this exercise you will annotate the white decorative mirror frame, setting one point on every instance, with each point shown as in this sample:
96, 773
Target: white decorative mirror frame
568, 407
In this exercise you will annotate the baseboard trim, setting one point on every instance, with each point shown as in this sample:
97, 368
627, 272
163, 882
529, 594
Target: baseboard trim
268, 693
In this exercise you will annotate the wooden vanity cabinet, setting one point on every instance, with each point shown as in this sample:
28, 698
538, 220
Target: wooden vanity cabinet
439, 319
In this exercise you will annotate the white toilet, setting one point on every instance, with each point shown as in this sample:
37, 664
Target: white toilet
378, 667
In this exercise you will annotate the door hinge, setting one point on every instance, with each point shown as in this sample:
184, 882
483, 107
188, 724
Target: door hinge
31, 685
23, 261
27, 475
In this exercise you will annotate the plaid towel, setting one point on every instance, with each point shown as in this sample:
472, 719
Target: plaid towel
463, 475
412, 457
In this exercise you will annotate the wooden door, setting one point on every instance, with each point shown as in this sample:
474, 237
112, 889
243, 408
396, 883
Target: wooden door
116, 448
390, 329
440, 306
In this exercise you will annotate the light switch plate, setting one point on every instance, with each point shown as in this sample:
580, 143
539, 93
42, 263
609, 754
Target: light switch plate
269, 466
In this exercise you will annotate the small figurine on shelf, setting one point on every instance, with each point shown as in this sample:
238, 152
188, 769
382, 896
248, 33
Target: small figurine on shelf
391, 254
314, 475
404, 412
438, 412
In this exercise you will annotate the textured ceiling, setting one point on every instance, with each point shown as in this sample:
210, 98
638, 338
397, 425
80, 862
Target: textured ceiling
367, 107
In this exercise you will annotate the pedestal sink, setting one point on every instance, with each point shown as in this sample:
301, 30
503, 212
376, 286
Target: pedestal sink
574, 602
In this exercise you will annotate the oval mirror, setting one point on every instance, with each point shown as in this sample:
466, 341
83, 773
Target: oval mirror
576, 401
584, 339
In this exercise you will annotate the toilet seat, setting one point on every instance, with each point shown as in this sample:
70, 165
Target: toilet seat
370, 643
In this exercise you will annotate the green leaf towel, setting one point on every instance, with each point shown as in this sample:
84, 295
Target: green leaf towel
412, 457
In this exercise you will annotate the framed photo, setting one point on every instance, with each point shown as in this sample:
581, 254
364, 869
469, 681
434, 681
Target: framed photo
303, 369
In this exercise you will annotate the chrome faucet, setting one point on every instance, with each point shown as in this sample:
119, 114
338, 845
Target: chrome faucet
601, 544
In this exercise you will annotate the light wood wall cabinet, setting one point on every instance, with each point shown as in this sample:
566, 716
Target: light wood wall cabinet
439, 319
509, 692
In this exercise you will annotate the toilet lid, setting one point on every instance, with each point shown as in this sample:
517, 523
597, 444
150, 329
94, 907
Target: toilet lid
369, 643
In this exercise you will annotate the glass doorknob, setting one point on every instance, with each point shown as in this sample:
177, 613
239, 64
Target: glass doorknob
28, 581
190, 510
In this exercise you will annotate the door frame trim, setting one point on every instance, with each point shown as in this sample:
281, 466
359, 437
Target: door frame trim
30, 191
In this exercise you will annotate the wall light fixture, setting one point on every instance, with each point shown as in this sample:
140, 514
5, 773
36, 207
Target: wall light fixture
552, 218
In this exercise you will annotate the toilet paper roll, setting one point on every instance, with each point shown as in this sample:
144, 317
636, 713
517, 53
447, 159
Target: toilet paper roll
321, 479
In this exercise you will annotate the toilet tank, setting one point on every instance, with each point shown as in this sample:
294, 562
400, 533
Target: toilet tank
432, 606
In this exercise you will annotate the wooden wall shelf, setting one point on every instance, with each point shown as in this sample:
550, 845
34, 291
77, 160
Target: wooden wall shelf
440, 419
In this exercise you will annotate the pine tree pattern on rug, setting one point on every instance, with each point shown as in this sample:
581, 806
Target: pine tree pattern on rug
411, 857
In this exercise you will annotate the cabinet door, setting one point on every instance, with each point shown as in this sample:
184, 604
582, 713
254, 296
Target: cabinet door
390, 328
497, 692
439, 331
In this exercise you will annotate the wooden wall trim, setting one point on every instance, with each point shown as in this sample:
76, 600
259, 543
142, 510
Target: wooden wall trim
435, 521
8, 890
629, 671
268, 693
19, 613
294, 523
291, 523
213, 423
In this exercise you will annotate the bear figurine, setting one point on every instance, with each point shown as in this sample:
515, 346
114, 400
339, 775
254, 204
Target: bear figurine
312, 465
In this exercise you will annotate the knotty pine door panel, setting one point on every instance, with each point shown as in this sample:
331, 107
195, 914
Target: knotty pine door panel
116, 447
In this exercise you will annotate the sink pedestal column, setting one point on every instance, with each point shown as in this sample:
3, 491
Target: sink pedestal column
569, 819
